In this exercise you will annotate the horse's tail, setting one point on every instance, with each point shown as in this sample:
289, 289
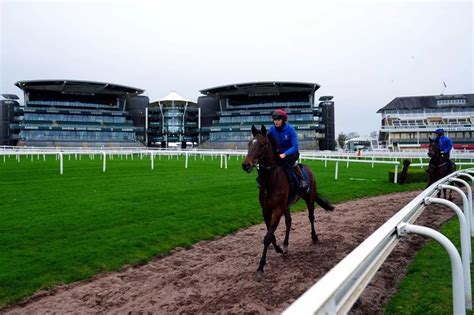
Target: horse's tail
403, 174
326, 205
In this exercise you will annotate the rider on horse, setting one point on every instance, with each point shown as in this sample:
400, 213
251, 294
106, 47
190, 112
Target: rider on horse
445, 144
285, 142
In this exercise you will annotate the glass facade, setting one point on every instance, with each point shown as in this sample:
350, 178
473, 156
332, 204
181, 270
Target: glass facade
56, 123
172, 123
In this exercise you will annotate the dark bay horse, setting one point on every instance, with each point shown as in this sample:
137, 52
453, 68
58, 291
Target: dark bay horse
275, 192
439, 167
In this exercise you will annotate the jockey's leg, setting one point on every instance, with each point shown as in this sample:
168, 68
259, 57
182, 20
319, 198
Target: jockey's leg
302, 184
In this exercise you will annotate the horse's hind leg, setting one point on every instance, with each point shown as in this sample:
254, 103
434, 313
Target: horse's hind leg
287, 231
310, 205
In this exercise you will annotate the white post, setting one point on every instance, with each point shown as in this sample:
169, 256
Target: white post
464, 236
465, 206
152, 158
456, 265
226, 157
104, 161
469, 196
222, 159
337, 169
61, 163
186, 159
395, 175
469, 216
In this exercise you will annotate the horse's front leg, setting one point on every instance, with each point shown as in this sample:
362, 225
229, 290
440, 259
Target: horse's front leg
267, 216
267, 240
287, 231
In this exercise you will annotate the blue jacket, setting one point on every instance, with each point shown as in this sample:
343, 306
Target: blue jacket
286, 140
445, 144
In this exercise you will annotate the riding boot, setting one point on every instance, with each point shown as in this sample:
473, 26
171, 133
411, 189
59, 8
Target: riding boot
302, 185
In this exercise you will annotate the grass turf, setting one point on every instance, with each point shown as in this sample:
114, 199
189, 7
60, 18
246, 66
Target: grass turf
58, 229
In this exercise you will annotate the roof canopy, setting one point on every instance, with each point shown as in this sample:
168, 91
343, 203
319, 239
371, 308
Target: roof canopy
173, 99
77, 87
420, 102
265, 88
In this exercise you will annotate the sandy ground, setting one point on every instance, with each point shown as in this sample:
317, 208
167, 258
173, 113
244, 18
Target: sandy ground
218, 276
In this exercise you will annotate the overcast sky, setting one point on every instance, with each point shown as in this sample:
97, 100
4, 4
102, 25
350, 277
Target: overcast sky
364, 53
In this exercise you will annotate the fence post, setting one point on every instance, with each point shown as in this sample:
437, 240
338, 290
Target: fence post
337, 166
456, 265
464, 237
152, 158
104, 159
395, 175
61, 163
469, 198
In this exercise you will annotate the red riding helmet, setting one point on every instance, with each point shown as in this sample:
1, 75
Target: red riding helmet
280, 113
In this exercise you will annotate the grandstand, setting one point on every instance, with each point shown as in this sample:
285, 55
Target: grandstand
408, 122
228, 113
64, 113
172, 119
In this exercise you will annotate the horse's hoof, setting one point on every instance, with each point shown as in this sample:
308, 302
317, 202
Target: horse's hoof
315, 239
278, 250
285, 251
330, 209
258, 276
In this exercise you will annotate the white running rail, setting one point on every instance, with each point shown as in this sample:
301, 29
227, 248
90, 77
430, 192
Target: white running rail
338, 290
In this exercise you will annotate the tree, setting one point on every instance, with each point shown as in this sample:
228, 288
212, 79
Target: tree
341, 139
352, 135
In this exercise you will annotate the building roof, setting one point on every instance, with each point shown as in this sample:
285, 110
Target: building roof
420, 102
78, 87
261, 88
171, 99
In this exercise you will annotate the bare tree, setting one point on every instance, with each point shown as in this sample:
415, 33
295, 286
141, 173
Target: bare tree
352, 135
341, 139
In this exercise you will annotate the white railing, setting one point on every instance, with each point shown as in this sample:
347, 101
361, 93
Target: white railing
339, 289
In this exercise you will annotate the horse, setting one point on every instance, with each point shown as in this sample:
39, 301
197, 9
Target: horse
439, 167
275, 192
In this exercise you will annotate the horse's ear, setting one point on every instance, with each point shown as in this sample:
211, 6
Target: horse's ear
254, 130
264, 130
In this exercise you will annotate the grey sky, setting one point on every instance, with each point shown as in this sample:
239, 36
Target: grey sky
363, 53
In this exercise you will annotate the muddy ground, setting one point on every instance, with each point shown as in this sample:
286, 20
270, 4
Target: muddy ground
218, 276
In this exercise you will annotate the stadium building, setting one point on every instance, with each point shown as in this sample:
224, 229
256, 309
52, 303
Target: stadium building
78, 113
228, 113
408, 122
172, 119
7, 114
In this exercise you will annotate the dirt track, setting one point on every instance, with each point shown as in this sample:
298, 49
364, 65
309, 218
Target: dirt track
217, 276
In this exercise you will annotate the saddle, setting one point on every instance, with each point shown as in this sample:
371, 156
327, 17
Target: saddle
294, 182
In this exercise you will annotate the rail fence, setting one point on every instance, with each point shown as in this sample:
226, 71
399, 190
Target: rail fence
394, 159
338, 290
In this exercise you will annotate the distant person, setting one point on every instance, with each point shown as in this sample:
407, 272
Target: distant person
445, 144
285, 141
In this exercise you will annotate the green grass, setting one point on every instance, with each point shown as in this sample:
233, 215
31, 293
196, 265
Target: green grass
427, 288
58, 229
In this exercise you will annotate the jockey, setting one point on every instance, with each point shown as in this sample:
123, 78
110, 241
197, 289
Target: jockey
445, 144
285, 141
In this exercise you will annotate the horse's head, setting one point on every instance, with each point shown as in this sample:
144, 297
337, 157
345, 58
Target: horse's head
433, 149
259, 149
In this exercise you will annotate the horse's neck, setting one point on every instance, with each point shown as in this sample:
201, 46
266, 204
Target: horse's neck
269, 158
